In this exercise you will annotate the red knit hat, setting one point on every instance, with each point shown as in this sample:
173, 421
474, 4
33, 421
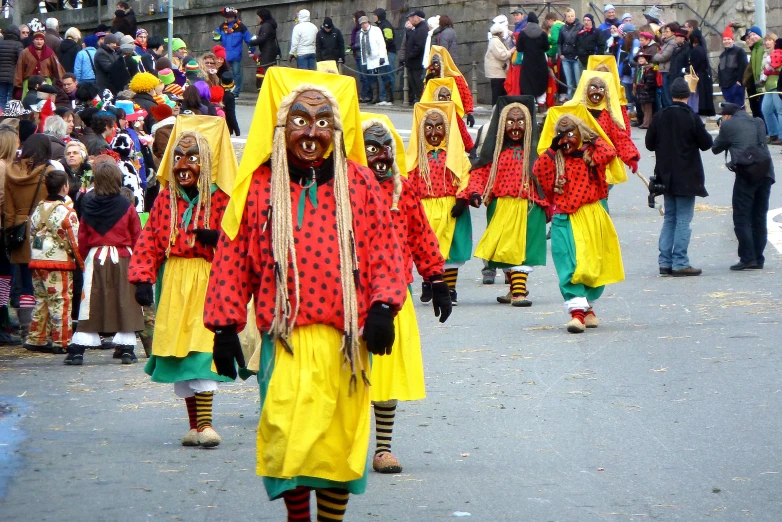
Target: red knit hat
728, 33
219, 51
217, 93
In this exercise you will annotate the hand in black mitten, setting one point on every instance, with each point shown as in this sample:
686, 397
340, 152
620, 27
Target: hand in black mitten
459, 208
207, 237
476, 200
555, 144
441, 300
379, 329
470, 120
144, 294
227, 349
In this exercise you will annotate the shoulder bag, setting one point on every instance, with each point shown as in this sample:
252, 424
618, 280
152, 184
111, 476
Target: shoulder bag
16, 235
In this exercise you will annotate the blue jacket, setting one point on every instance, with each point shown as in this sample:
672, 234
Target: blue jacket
233, 42
83, 68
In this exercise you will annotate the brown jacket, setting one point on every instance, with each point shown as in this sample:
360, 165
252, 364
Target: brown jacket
25, 67
20, 195
162, 135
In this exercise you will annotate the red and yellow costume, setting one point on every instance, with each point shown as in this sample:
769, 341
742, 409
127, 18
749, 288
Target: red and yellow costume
451, 84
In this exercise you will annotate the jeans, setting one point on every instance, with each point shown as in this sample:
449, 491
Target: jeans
365, 83
734, 94
236, 70
772, 113
572, 69
676, 232
306, 61
387, 78
6, 93
665, 95
750, 209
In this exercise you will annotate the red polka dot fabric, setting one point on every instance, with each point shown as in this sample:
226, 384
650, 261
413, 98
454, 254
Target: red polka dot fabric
625, 148
444, 183
583, 184
414, 234
508, 181
244, 267
466, 137
465, 93
150, 250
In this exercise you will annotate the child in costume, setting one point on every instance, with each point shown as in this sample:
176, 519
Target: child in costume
308, 236
584, 245
175, 250
440, 179
109, 229
400, 376
445, 89
441, 65
645, 86
515, 238
54, 228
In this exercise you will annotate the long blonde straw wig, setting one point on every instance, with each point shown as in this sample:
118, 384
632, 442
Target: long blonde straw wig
528, 131
424, 147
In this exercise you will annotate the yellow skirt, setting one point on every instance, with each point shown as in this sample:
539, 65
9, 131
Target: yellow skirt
400, 375
505, 239
179, 325
311, 423
598, 256
438, 213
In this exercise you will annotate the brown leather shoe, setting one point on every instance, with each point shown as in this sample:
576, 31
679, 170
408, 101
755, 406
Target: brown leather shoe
687, 272
386, 463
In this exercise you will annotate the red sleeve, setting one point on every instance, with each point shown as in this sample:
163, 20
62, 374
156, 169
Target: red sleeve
625, 148
545, 169
602, 152
71, 224
422, 241
466, 137
134, 225
478, 179
464, 93
150, 249
219, 203
84, 240
626, 118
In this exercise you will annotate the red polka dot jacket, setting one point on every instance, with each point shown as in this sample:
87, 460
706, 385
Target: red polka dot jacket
444, 183
510, 166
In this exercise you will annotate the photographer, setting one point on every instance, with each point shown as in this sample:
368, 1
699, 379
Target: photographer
676, 135
744, 137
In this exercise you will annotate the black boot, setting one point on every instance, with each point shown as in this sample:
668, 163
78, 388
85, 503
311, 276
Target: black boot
128, 357
390, 92
453, 298
426, 292
75, 355
375, 92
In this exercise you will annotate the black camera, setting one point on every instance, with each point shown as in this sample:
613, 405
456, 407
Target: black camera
655, 189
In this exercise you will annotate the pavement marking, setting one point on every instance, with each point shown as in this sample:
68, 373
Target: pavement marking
775, 229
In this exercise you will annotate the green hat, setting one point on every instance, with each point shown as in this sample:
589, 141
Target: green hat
192, 67
177, 44
166, 76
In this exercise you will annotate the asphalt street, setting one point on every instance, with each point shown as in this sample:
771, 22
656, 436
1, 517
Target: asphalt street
668, 411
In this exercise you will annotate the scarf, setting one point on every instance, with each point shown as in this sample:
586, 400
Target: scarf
365, 50
142, 45
45, 53
585, 30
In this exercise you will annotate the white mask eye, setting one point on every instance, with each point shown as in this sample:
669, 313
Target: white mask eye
299, 121
372, 149
571, 134
322, 123
177, 158
439, 127
193, 159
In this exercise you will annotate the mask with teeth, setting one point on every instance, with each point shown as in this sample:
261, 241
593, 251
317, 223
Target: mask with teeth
443, 94
309, 128
571, 141
187, 162
515, 125
434, 128
435, 66
378, 143
596, 92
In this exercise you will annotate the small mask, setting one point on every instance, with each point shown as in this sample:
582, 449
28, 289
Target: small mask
596, 92
443, 94
515, 125
187, 162
571, 141
309, 127
378, 144
434, 128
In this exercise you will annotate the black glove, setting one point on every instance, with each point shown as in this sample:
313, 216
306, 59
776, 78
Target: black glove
459, 208
470, 120
292, 58
144, 294
441, 300
207, 237
555, 145
476, 200
379, 329
227, 349
402, 63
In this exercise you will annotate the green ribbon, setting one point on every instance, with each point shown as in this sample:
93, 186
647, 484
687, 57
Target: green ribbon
312, 191
436, 153
517, 151
187, 215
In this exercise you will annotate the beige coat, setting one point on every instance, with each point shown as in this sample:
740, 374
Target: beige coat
495, 63
20, 195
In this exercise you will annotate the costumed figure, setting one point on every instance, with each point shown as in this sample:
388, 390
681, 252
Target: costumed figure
175, 250
400, 376
308, 236
607, 64
515, 238
575, 155
440, 178
123, 145
441, 65
109, 230
445, 89
597, 92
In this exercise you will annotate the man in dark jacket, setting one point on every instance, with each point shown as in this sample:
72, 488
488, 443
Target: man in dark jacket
680, 58
733, 63
266, 41
414, 54
738, 131
105, 56
130, 16
388, 81
10, 49
329, 43
676, 135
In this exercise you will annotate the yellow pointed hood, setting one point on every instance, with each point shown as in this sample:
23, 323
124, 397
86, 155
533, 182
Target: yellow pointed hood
433, 85
610, 62
448, 67
611, 100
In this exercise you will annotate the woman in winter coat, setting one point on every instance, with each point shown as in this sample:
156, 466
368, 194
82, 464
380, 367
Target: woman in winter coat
266, 39
566, 45
69, 49
533, 42
702, 100
588, 41
663, 60
10, 49
121, 24
495, 62
447, 37
84, 66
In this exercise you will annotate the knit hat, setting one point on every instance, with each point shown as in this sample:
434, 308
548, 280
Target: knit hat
163, 63
176, 44
654, 14
680, 89
645, 34
227, 81
328, 23
111, 39
139, 32
128, 48
219, 51
217, 93
127, 39
191, 67
229, 11
754, 29
91, 40
39, 34
626, 28
728, 33
532, 18
625, 16
609, 7
729, 109
166, 76
589, 15
161, 112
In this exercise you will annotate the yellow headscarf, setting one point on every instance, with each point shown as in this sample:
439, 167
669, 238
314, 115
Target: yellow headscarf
615, 170
278, 83
328, 66
610, 62
611, 100
434, 84
224, 167
456, 160
447, 66
399, 145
